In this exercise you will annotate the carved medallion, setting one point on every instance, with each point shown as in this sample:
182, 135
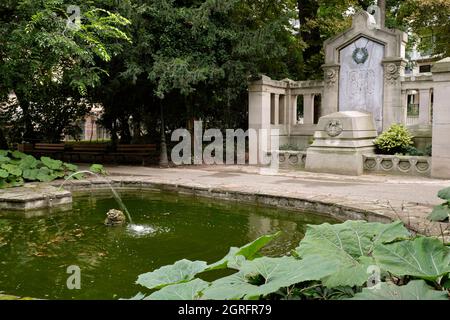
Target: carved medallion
334, 128
360, 55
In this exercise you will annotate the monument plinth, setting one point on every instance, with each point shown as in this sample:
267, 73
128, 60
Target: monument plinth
340, 143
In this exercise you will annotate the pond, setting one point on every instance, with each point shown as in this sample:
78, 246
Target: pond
35, 252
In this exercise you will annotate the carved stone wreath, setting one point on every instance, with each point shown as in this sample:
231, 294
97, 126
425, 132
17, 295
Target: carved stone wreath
360, 55
334, 128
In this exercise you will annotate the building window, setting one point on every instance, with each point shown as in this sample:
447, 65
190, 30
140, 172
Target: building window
425, 68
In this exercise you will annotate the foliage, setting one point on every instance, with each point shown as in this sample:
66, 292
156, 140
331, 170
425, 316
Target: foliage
397, 139
46, 64
16, 168
99, 169
331, 262
442, 212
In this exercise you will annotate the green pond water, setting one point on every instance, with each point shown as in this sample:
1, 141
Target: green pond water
35, 252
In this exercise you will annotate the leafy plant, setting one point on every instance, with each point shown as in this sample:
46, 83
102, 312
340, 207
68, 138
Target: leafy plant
99, 169
397, 139
442, 212
331, 262
16, 168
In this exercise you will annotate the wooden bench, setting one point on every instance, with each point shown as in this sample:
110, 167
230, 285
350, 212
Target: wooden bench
90, 150
140, 151
48, 149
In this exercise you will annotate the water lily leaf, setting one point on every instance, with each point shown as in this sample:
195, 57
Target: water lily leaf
191, 290
440, 213
181, 271
236, 256
52, 164
263, 276
444, 194
12, 169
349, 246
415, 290
424, 258
4, 174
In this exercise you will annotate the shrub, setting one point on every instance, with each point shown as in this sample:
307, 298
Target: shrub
397, 139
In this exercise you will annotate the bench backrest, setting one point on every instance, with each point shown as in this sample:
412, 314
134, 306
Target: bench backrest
49, 146
88, 147
136, 148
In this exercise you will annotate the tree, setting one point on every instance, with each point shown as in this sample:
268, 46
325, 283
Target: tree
40, 51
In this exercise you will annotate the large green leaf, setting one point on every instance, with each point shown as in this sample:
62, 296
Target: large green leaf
30, 174
415, 290
236, 256
440, 213
71, 167
425, 258
182, 291
4, 153
52, 164
264, 276
4, 174
28, 162
45, 175
444, 194
4, 159
18, 155
349, 246
12, 169
181, 271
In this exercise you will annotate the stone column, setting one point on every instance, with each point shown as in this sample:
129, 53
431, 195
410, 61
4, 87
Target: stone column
277, 109
404, 98
424, 106
441, 120
393, 111
259, 114
330, 97
294, 115
308, 109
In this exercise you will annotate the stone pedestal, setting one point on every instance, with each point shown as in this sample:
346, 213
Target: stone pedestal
441, 120
341, 142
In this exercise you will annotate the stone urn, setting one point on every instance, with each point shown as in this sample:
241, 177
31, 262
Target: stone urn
115, 218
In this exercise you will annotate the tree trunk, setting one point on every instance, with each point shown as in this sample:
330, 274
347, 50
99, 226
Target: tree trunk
28, 132
163, 159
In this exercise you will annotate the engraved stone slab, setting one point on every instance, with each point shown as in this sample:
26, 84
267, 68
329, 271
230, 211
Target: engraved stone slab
361, 79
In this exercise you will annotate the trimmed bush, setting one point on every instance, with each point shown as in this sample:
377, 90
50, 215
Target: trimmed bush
397, 139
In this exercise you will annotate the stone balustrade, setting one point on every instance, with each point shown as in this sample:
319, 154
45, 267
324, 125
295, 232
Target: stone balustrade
404, 165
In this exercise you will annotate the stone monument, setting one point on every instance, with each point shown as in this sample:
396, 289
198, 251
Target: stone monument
340, 143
